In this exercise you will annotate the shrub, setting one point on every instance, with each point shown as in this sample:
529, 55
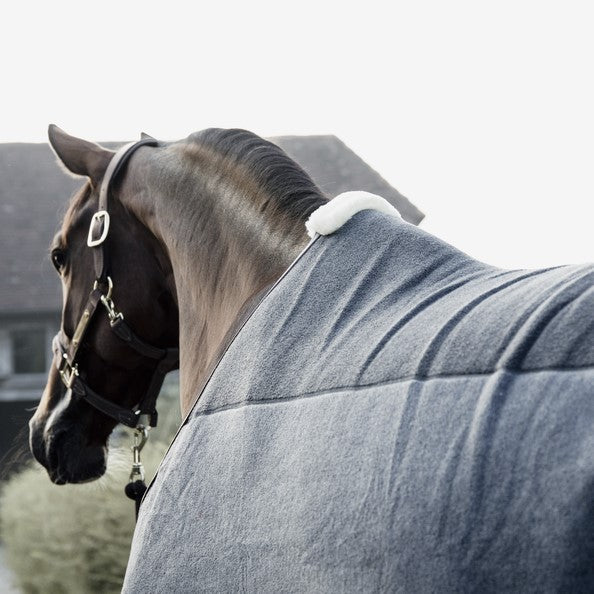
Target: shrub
71, 538
76, 538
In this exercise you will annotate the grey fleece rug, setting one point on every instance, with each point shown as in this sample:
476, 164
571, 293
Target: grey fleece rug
394, 417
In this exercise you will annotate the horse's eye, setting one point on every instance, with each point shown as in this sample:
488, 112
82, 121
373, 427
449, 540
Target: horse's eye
58, 259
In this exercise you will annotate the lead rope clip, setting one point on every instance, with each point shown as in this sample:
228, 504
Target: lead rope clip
136, 488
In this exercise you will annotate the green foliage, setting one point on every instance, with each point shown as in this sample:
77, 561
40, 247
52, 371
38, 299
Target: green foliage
76, 538
71, 538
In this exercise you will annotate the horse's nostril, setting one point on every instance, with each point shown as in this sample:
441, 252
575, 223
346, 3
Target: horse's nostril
44, 443
55, 464
56, 477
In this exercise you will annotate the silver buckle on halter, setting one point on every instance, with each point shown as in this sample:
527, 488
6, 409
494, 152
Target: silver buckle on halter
112, 314
98, 217
108, 303
141, 434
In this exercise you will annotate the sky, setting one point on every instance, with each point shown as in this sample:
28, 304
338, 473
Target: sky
481, 113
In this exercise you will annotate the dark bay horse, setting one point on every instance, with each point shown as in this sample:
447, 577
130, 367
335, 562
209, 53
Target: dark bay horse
222, 217
369, 411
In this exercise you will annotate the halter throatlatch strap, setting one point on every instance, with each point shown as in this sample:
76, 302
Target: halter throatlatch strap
168, 360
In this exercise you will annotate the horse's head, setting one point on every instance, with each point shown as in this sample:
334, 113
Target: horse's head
69, 431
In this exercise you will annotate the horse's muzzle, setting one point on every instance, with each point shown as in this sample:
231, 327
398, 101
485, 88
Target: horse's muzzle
62, 451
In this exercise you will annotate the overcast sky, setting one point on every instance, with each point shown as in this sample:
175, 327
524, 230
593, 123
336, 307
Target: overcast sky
482, 114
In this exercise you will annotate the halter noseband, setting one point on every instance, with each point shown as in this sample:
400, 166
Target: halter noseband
145, 413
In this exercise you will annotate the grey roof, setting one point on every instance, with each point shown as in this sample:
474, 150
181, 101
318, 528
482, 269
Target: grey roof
34, 193
336, 168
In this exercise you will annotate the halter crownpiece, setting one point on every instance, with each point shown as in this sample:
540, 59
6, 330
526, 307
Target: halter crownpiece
99, 227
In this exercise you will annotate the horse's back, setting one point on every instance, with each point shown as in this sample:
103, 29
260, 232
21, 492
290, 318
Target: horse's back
394, 416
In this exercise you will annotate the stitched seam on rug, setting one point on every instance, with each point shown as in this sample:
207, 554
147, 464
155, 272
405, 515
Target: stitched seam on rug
363, 387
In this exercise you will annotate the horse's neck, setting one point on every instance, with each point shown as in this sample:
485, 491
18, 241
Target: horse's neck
220, 263
199, 357
211, 297
209, 304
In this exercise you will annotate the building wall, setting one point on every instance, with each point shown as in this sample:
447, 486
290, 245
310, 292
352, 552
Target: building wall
14, 435
25, 355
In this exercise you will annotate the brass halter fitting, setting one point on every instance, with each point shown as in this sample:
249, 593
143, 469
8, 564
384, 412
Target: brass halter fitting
67, 370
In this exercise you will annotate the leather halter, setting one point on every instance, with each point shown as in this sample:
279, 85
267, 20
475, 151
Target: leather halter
144, 413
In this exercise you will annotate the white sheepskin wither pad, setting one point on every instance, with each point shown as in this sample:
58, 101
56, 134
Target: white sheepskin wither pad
333, 215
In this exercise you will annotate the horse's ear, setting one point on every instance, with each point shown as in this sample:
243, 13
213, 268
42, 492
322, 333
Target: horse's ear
79, 156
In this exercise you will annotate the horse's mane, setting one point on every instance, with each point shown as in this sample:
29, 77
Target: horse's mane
287, 187
290, 188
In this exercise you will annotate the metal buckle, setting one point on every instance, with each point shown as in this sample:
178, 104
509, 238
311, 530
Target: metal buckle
108, 302
112, 314
109, 287
141, 434
97, 217
67, 371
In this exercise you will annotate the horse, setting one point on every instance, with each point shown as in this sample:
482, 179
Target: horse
365, 407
